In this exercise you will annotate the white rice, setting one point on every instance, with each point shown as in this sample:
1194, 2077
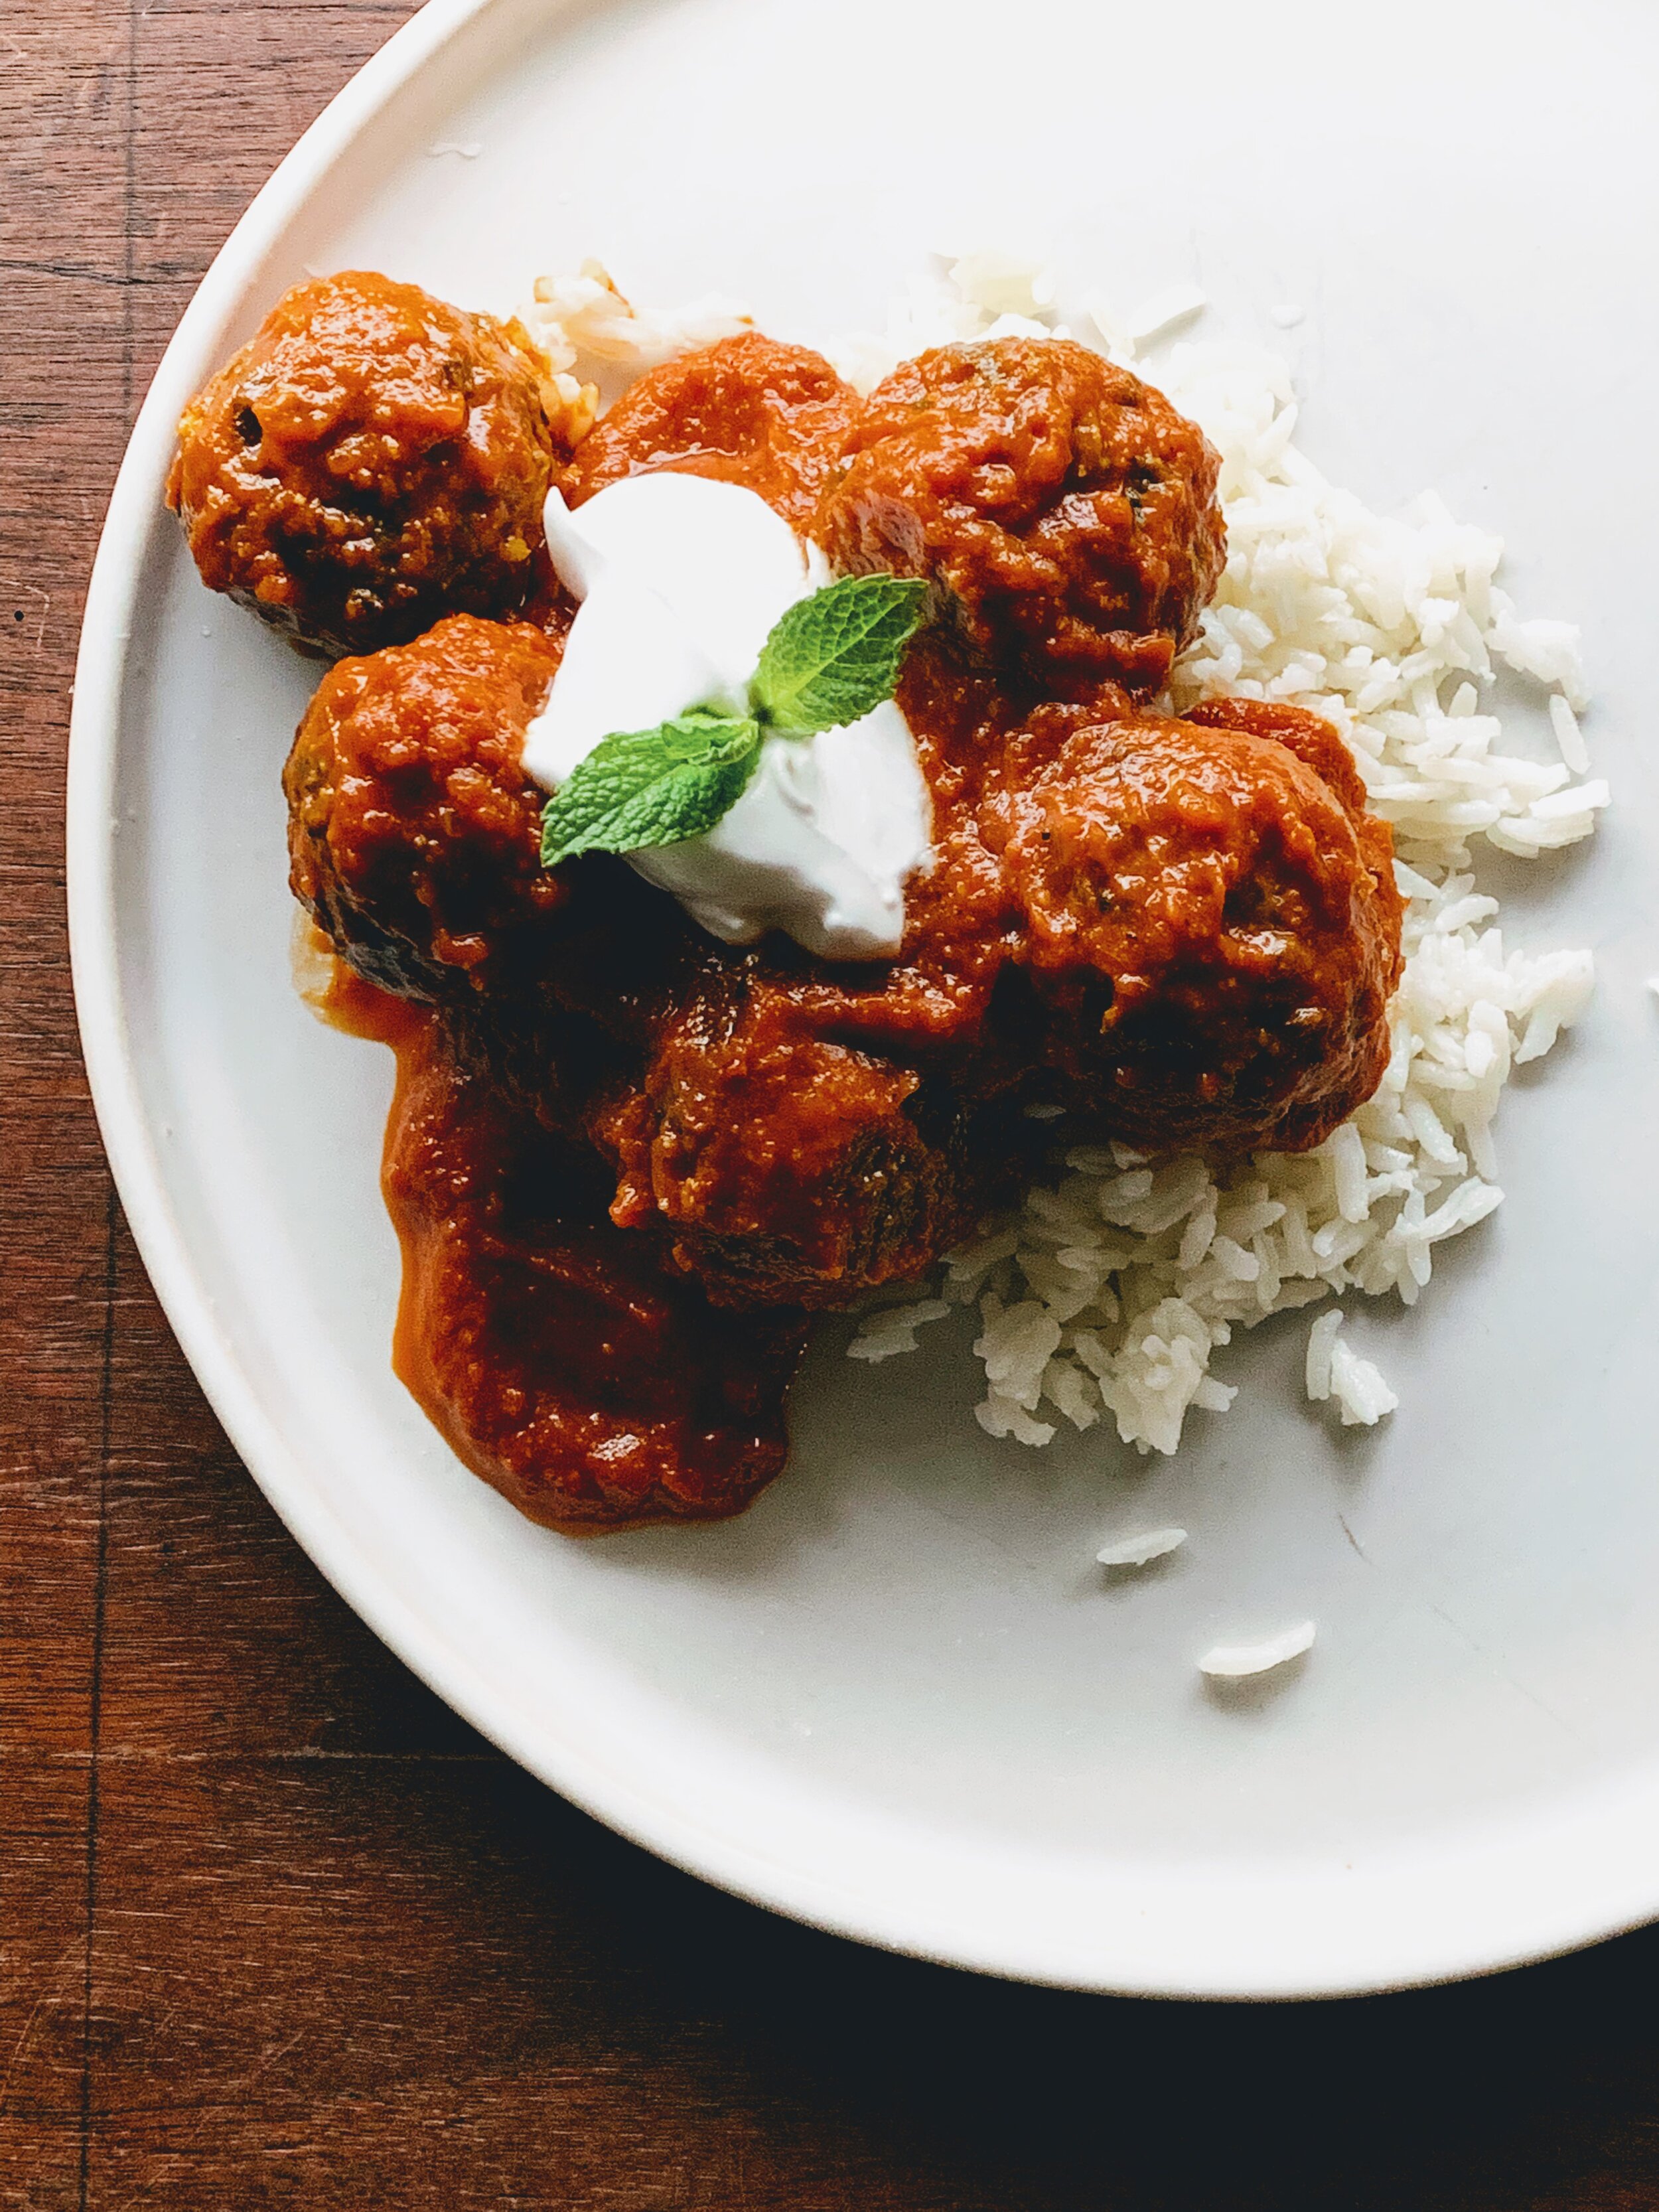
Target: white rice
1108, 1293
597, 341
1140, 1550
1231, 1663
893, 1328
1334, 1370
1111, 1289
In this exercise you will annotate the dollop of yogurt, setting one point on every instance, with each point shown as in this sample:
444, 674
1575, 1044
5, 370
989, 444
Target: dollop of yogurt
680, 580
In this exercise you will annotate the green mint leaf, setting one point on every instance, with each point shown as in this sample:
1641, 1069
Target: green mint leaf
644, 787
833, 658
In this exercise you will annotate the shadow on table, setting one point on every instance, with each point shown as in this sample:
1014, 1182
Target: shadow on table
963, 2092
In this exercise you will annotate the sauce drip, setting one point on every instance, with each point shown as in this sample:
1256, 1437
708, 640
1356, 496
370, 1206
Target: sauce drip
546, 1344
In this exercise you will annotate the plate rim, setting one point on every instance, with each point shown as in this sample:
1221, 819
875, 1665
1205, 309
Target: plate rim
100, 676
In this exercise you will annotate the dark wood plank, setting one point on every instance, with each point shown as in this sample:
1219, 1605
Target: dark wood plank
428, 1983
44, 1964
63, 376
275, 1928
64, 369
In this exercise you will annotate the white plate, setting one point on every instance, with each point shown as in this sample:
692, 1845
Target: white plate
896, 1699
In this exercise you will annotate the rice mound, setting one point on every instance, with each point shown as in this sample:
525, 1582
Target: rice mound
1111, 1289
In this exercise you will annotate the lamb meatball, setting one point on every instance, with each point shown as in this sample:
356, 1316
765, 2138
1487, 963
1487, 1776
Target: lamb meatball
782, 1163
414, 835
1068, 509
1215, 925
747, 411
370, 460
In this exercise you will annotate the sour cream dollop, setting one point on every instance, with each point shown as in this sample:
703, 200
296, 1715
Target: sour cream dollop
681, 580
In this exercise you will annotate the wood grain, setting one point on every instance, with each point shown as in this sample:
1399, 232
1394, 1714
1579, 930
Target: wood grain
275, 1928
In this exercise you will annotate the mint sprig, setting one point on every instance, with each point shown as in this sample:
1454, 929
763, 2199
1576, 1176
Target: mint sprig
829, 660
833, 659
643, 787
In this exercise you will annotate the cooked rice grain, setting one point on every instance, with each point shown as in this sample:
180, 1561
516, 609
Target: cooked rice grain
1140, 1550
1232, 1663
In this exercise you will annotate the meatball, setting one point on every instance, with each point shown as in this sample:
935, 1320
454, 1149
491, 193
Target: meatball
549, 1346
1214, 923
781, 1162
1067, 508
414, 835
372, 460
747, 411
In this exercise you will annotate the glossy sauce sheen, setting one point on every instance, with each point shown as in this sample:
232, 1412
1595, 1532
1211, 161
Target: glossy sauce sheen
536, 1336
626, 1159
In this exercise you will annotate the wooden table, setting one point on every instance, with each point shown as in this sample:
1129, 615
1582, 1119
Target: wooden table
275, 1928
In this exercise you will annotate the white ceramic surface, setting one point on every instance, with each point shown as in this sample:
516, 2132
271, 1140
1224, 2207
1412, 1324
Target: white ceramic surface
897, 1699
